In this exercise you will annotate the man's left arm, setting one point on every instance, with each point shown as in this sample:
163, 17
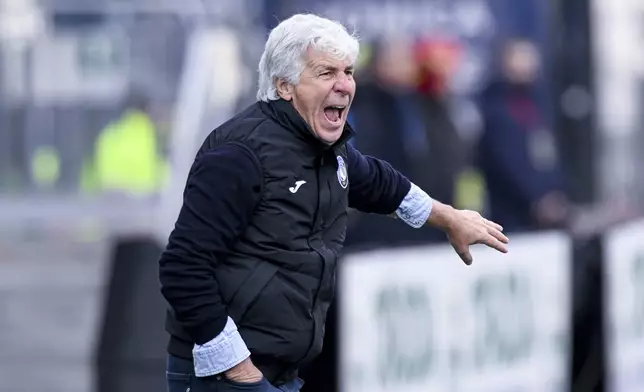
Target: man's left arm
376, 187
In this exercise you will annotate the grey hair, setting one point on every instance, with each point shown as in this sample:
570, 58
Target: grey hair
287, 44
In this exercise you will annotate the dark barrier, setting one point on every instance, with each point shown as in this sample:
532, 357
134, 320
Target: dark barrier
588, 349
132, 341
589, 359
572, 81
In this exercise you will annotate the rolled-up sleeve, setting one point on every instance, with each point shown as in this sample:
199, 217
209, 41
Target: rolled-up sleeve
415, 207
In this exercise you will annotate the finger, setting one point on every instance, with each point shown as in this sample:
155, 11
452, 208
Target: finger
493, 224
497, 234
494, 244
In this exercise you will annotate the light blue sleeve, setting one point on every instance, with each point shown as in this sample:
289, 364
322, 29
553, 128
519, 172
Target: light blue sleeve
415, 207
223, 352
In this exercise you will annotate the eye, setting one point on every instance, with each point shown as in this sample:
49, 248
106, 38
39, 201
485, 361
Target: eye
349, 72
325, 73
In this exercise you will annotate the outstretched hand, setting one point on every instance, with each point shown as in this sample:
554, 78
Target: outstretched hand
465, 228
470, 228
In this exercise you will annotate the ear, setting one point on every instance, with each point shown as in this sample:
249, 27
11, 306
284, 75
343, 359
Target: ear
284, 89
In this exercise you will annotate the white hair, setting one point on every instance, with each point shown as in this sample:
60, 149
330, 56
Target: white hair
287, 44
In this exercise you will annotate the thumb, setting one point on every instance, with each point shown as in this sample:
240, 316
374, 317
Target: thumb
465, 255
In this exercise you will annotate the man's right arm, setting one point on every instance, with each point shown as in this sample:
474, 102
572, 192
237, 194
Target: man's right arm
222, 189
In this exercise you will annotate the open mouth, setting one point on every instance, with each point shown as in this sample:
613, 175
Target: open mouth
334, 113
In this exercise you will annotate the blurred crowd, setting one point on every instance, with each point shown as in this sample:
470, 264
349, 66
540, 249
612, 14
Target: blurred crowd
505, 164
493, 148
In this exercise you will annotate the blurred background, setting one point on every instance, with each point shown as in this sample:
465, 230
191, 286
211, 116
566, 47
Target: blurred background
528, 111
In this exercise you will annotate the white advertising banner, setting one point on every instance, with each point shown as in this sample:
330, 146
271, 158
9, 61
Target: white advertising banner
618, 69
624, 304
419, 320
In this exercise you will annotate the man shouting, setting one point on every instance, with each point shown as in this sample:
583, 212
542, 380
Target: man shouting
249, 269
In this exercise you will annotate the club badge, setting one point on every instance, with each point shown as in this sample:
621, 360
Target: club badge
343, 177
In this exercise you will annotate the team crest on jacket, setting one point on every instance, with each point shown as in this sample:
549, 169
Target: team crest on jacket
343, 177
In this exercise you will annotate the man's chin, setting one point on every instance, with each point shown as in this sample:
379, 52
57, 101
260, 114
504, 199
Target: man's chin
330, 136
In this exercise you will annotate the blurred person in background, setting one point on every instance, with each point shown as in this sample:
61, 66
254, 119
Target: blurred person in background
387, 117
386, 111
517, 153
437, 60
402, 116
126, 156
249, 269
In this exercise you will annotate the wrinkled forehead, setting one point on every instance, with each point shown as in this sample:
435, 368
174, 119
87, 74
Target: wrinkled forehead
315, 58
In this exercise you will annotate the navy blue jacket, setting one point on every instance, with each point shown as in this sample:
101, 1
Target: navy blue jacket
242, 213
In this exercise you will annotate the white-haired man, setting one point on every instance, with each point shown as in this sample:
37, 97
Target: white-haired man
249, 270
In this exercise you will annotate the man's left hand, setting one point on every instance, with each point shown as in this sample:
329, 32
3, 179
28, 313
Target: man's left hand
465, 228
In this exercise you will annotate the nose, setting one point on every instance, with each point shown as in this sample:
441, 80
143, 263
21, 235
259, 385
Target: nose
344, 84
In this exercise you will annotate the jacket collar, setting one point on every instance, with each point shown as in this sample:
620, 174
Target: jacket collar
284, 113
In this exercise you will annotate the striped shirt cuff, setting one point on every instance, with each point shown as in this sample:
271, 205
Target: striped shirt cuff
415, 207
223, 352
